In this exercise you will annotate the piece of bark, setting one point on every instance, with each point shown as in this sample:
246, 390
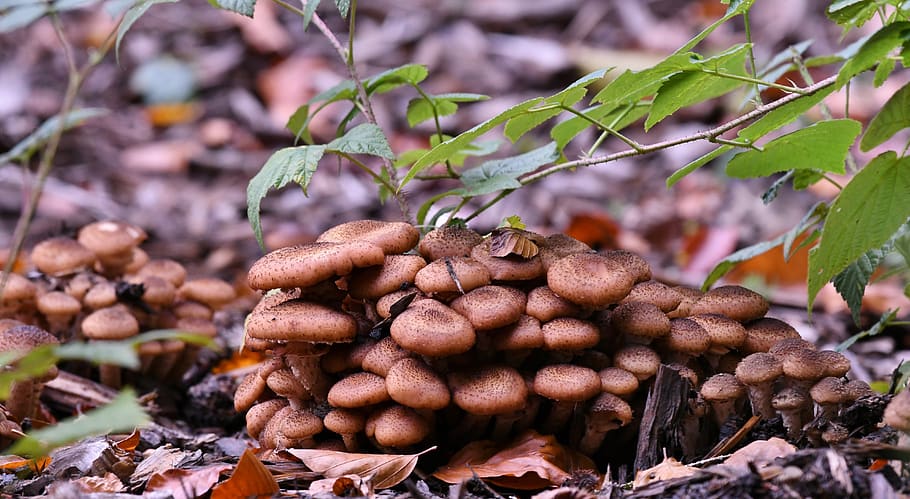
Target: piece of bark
74, 394
660, 433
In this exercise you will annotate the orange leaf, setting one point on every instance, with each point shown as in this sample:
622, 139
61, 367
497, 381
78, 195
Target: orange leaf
13, 463
173, 113
238, 360
878, 465
597, 230
187, 484
385, 470
250, 479
129, 443
530, 462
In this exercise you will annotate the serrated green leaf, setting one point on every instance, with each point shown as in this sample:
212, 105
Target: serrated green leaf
852, 13
309, 8
851, 282
874, 50
893, 117
691, 87
876, 329
902, 245
295, 164
408, 74
343, 90
21, 16
123, 414
866, 213
696, 164
502, 174
821, 146
27, 146
783, 115
133, 15
242, 7
366, 138
297, 123
883, 71
569, 96
420, 109
446, 149
803, 179
344, 6
616, 118
522, 124
630, 87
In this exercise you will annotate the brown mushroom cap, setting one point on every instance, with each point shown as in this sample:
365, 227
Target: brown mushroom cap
110, 323
25, 337
431, 328
589, 280
169, 270
297, 320
722, 387
787, 346
758, 371
102, 294
111, 239
18, 289
296, 426
412, 383
641, 319
384, 304
488, 390
397, 426
762, 334
344, 421
436, 277
248, 391
543, 304
830, 391
655, 292
383, 356
358, 390
639, 360
632, 262
343, 357
836, 364
260, 414
306, 265
491, 307
285, 384
396, 271
556, 246
567, 382
736, 302
804, 365
618, 381
524, 334
507, 268
58, 303
60, 256
392, 237
569, 334
446, 241
687, 337
689, 297
725, 333
208, 290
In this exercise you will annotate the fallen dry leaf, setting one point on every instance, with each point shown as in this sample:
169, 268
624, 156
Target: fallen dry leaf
187, 484
250, 479
530, 462
129, 443
597, 230
760, 452
564, 493
156, 461
668, 468
168, 114
12, 463
107, 483
384, 470
343, 486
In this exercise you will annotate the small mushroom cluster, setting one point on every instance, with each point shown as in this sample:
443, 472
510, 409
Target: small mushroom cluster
102, 286
375, 338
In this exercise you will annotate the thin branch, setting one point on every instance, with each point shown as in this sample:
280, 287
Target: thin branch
711, 134
603, 126
756, 81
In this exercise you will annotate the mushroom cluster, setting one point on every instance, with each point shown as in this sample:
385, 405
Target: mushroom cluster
376, 339
102, 286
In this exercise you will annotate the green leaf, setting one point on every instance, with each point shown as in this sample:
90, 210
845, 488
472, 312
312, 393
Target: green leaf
893, 117
866, 213
502, 174
783, 115
242, 7
696, 164
297, 123
874, 50
133, 15
421, 109
295, 164
366, 138
851, 282
736, 8
803, 179
883, 322
822, 146
408, 74
628, 88
27, 146
691, 87
852, 13
344, 6
309, 8
616, 118
30, 364
446, 149
343, 90
883, 71
21, 16
123, 414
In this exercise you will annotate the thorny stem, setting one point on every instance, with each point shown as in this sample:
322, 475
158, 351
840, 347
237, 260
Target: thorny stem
74, 83
711, 134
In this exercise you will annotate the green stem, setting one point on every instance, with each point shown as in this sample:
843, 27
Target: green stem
488, 204
833, 182
449, 168
629, 142
459, 206
749, 79
753, 69
377, 177
603, 136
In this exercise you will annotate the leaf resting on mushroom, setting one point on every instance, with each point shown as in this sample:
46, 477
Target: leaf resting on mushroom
385, 470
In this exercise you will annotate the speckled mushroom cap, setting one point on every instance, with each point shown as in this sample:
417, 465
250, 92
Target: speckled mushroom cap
760, 367
687, 337
897, 412
395, 272
260, 414
110, 323
385, 302
557, 246
436, 277
25, 337
58, 303
507, 268
433, 329
836, 364
640, 319
208, 290
110, 238
248, 391
569, 334
567, 382
59, 256
656, 293
618, 381
297, 320
689, 297
589, 280
736, 302
721, 387
358, 390
491, 307
787, 346
396, 426
543, 304
157, 291
412, 383
804, 365
639, 360
167, 269
18, 289
101, 294
296, 425
632, 262
392, 237
725, 333
344, 421
343, 357
383, 356
830, 391
524, 334
488, 390
762, 334
448, 241
305, 265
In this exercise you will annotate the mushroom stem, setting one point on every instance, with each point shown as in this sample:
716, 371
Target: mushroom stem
760, 398
560, 413
110, 375
21, 402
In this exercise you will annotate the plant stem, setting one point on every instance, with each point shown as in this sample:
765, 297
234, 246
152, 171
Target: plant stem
748, 79
753, 69
629, 142
359, 164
